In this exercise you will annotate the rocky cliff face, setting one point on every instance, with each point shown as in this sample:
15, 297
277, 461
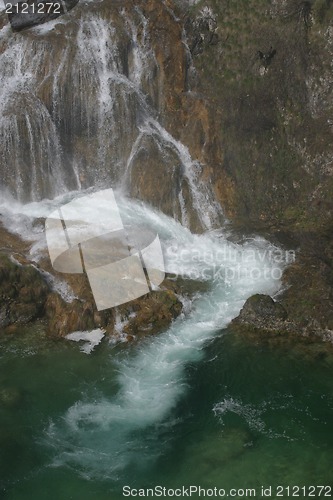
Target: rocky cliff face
267, 83
97, 99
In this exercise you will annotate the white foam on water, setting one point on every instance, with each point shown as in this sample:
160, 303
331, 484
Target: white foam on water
250, 413
91, 339
255, 415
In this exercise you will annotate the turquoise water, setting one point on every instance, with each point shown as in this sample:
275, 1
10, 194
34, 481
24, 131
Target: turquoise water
251, 414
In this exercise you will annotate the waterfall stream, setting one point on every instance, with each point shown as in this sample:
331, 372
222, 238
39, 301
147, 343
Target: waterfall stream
78, 106
103, 437
79, 112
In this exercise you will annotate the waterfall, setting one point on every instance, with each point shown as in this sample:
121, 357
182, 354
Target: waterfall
103, 437
79, 107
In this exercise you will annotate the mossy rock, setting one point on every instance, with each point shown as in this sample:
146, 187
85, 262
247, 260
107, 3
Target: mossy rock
261, 307
23, 292
261, 312
64, 318
151, 313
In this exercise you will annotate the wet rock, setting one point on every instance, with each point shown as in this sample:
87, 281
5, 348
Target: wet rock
260, 311
23, 293
33, 15
26, 297
149, 314
64, 318
185, 286
148, 184
271, 163
261, 308
152, 313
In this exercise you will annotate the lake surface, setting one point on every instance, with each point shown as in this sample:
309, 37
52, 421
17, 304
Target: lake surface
251, 413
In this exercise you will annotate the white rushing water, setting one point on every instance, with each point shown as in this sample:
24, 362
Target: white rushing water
103, 436
79, 114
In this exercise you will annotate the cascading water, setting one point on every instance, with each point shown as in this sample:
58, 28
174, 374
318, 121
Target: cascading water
78, 114
102, 437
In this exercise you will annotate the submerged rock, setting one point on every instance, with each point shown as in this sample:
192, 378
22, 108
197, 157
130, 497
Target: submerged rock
216, 450
10, 397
